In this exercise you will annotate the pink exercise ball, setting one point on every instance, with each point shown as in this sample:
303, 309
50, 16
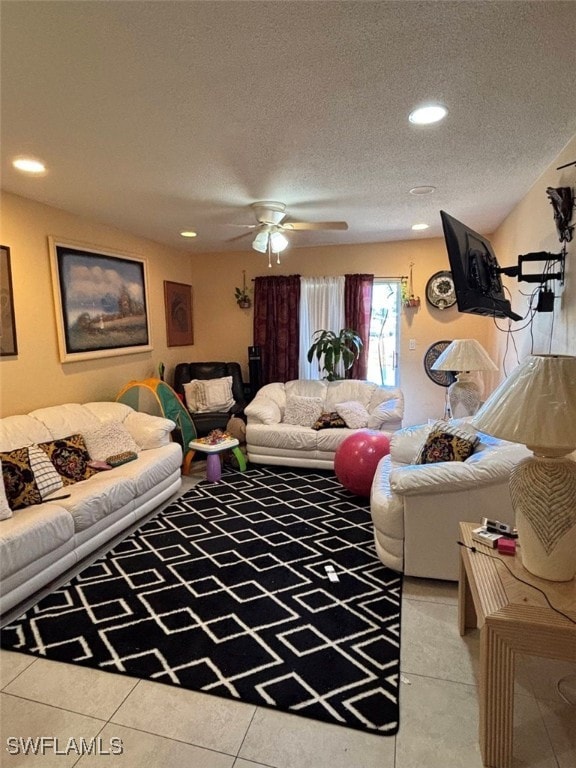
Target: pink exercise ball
357, 457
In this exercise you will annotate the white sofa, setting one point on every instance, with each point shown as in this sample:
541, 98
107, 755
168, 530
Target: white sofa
270, 440
416, 508
40, 542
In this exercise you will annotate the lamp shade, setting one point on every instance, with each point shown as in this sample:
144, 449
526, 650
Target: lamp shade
535, 405
464, 355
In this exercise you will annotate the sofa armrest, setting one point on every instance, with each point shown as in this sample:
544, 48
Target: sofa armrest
263, 410
486, 467
149, 431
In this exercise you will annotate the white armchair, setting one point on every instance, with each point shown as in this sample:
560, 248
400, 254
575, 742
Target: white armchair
416, 508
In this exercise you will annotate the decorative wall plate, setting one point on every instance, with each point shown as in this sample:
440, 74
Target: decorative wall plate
440, 290
443, 378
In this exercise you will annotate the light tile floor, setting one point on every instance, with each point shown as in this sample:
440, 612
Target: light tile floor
167, 727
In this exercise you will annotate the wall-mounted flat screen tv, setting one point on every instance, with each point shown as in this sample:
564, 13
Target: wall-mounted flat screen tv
475, 271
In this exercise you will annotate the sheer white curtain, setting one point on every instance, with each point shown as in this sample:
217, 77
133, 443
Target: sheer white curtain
321, 308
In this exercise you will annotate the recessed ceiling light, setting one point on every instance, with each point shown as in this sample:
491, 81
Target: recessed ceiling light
418, 227
424, 190
188, 233
427, 115
29, 165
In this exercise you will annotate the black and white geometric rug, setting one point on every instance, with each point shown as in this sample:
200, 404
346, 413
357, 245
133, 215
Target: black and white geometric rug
226, 591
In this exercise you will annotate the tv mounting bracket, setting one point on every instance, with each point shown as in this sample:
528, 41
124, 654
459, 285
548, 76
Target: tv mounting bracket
540, 277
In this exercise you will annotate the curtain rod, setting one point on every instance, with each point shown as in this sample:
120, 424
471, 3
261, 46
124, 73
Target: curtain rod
376, 277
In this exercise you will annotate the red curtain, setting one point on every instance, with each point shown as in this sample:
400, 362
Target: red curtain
357, 312
277, 326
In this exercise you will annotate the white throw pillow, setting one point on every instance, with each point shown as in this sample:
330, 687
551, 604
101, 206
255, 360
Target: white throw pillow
382, 413
302, 411
354, 414
149, 431
5, 511
209, 395
108, 440
47, 478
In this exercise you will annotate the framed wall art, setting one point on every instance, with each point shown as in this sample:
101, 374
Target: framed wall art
8, 344
101, 302
178, 302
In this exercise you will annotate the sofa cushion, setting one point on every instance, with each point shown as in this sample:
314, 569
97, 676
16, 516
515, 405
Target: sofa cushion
47, 478
447, 443
32, 533
19, 481
66, 419
109, 439
383, 413
354, 414
70, 457
18, 431
99, 497
347, 390
149, 431
302, 411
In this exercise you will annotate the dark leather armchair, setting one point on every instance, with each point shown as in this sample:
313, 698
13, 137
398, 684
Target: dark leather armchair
206, 422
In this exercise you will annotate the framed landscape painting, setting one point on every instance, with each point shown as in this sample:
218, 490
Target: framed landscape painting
178, 303
8, 345
101, 302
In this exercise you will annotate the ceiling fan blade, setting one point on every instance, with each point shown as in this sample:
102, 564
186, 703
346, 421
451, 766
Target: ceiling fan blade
301, 225
239, 237
246, 226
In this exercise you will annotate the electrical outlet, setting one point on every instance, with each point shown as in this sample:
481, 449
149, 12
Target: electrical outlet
412, 345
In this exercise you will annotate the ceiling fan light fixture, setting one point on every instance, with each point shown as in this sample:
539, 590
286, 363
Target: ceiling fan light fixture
278, 242
260, 242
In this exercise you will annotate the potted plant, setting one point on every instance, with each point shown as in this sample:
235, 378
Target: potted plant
242, 295
344, 347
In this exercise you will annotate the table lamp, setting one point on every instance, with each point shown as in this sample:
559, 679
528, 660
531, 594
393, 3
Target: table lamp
536, 406
464, 356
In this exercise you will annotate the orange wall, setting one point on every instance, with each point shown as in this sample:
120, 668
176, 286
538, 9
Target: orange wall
36, 377
222, 331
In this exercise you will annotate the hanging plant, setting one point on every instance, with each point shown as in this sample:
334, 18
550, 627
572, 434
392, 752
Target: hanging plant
242, 295
407, 291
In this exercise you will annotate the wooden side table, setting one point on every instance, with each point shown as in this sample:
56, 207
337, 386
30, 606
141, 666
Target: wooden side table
513, 618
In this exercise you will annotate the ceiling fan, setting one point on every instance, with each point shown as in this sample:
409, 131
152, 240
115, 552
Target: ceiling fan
270, 217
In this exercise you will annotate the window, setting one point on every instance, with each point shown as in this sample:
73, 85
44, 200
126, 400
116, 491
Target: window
384, 332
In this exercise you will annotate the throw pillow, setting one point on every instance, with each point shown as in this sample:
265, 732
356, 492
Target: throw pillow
47, 478
19, 483
446, 442
353, 413
108, 439
382, 413
302, 411
5, 511
329, 421
70, 457
209, 395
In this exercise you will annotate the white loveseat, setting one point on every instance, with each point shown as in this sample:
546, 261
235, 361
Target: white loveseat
271, 440
416, 508
40, 542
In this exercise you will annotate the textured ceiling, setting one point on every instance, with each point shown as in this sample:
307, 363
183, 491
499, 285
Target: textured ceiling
160, 116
